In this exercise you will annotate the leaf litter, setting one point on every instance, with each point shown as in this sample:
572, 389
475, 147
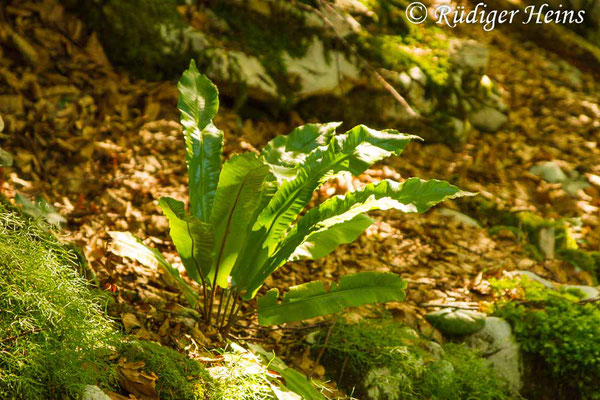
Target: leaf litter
103, 147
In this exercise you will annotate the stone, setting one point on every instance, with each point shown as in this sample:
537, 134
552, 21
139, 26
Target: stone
381, 383
546, 241
418, 75
456, 322
93, 392
589, 292
497, 344
549, 171
459, 217
533, 277
319, 73
488, 119
469, 55
6, 159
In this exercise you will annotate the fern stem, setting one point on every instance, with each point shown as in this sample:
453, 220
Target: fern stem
233, 312
225, 309
218, 316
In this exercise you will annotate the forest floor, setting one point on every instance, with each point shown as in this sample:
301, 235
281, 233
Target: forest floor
103, 147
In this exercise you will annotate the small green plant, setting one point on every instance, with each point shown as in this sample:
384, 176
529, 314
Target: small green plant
245, 218
557, 328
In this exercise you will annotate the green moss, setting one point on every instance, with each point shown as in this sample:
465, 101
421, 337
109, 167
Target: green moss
402, 365
179, 377
282, 31
398, 53
587, 261
527, 224
242, 375
54, 339
558, 331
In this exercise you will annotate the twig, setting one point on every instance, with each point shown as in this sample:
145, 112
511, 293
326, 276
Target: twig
431, 305
587, 301
8, 339
318, 360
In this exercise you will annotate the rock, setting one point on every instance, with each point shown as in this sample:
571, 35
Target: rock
532, 276
145, 36
92, 392
469, 55
546, 241
588, 292
418, 75
455, 322
6, 159
379, 384
459, 217
549, 171
498, 345
318, 72
488, 119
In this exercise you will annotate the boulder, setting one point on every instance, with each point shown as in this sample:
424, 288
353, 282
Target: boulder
469, 55
549, 171
589, 292
498, 345
488, 119
456, 322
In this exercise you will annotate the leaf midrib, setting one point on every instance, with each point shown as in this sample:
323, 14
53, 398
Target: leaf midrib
326, 294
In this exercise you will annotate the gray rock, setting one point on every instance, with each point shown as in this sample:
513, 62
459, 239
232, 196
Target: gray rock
92, 392
498, 345
533, 277
547, 241
469, 55
456, 322
488, 119
459, 217
418, 75
549, 171
320, 72
588, 292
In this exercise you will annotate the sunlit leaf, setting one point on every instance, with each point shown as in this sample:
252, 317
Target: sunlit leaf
238, 195
192, 238
198, 103
313, 299
124, 244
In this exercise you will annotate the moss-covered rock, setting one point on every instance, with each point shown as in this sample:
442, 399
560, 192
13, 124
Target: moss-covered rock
148, 37
382, 359
456, 322
558, 333
284, 55
179, 377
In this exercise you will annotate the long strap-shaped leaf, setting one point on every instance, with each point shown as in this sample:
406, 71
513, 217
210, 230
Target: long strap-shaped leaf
325, 240
198, 103
355, 151
312, 299
192, 238
292, 149
124, 244
413, 195
238, 195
